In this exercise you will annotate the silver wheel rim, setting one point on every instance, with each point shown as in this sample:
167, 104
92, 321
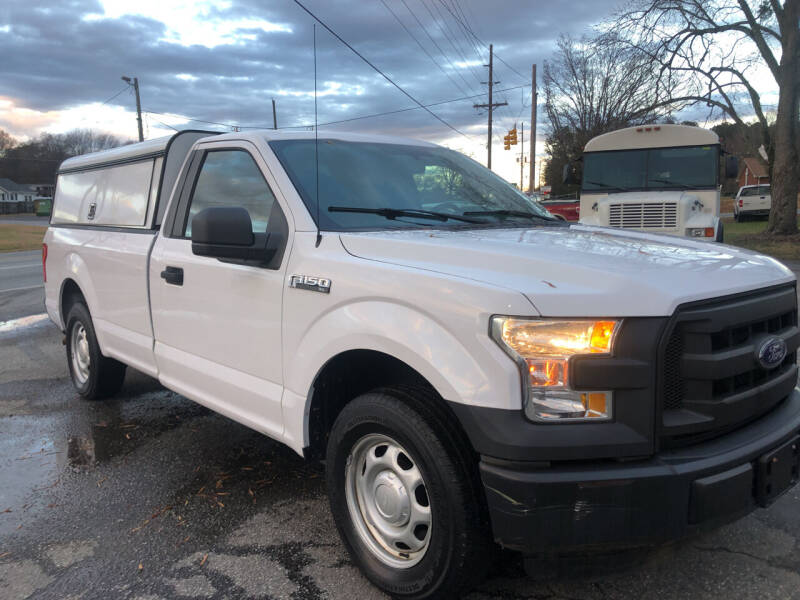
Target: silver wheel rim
388, 501
79, 349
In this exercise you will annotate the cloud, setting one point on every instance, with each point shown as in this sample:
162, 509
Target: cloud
224, 61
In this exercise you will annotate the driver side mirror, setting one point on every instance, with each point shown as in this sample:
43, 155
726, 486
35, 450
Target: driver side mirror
568, 175
731, 166
226, 232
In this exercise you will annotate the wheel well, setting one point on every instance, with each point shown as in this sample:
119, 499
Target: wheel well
70, 294
347, 376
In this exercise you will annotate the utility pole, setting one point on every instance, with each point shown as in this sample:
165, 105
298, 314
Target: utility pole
491, 106
274, 115
138, 104
533, 130
521, 154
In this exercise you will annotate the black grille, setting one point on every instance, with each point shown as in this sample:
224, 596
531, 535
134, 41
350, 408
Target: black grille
711, 379
673, 384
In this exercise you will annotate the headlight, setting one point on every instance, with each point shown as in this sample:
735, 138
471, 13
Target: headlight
543, 349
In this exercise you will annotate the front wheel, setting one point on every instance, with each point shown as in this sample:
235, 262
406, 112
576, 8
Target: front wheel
93, 375
406, 497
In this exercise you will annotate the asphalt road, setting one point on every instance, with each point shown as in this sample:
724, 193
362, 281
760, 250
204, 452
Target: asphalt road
151, 496
24, 219
21, 286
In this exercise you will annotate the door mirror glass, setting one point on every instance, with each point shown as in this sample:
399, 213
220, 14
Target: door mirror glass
226, 232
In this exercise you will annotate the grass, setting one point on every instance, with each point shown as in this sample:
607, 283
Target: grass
14, 238
750, 234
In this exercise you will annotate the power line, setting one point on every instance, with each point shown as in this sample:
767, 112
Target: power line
472, 33
400, 110
436, 44
384, 75
425, 50
115, 95
464, 22
441, 25
469, 39
348, 120
161, 122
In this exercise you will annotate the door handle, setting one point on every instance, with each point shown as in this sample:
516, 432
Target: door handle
173, 275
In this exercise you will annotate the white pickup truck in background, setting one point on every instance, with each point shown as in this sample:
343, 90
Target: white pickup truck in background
752, 201
470, 368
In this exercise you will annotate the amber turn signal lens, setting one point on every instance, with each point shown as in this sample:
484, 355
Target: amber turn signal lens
596, 405
602, 331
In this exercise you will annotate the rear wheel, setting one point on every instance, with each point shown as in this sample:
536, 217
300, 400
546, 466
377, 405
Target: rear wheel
406, 497
720, 233
93, 375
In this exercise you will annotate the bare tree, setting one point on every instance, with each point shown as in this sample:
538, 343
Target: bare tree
36, 160
713, 50
6, 141
593, 88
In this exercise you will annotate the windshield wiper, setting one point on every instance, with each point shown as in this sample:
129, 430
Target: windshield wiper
509, 213
608, 186
393, 213
668, 182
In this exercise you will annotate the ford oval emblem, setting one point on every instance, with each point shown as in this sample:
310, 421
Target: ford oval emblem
771, 352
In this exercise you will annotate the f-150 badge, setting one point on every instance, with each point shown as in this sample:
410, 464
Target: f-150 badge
313, 284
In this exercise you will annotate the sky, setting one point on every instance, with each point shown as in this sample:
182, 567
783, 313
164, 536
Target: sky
224, 62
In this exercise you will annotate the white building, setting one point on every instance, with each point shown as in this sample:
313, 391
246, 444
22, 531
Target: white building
15, 197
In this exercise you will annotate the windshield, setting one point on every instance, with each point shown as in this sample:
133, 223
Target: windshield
373, 177
761, 190
691, 167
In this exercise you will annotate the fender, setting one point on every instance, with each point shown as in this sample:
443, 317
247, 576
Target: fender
75, 268
464, 366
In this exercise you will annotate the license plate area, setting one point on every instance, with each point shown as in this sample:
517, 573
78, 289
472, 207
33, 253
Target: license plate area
777, 471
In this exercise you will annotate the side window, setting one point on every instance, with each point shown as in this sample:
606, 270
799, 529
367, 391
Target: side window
231, 178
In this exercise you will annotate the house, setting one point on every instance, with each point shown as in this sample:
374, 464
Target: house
15, 197
45, 190
752, 171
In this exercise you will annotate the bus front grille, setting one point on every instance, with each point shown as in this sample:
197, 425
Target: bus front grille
655, 215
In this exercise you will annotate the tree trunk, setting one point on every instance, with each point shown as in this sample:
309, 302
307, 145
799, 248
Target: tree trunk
784, 168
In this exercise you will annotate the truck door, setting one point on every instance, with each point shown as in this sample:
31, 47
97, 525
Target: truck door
217, 325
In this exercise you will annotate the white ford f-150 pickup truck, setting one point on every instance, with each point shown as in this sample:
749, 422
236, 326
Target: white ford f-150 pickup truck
470, 368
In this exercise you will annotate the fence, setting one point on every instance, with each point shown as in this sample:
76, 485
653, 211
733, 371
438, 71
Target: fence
10, 207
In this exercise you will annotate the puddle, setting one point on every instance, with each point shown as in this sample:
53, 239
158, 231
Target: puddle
41, 443
23, 322
117, 427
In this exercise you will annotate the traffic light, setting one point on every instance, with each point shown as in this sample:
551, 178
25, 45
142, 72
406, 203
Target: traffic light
510, 139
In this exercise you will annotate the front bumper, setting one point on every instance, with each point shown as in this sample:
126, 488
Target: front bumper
568, 506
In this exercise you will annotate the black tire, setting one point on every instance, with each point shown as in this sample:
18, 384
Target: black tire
105, 375
460, 548
720, 233
737, 217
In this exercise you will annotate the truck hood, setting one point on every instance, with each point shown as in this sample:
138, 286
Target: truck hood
579, 270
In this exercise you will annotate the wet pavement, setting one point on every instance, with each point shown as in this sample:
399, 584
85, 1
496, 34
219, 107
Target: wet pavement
151, 496
21, 285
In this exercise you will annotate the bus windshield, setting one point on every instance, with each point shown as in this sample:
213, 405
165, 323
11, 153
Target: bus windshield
691, 167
